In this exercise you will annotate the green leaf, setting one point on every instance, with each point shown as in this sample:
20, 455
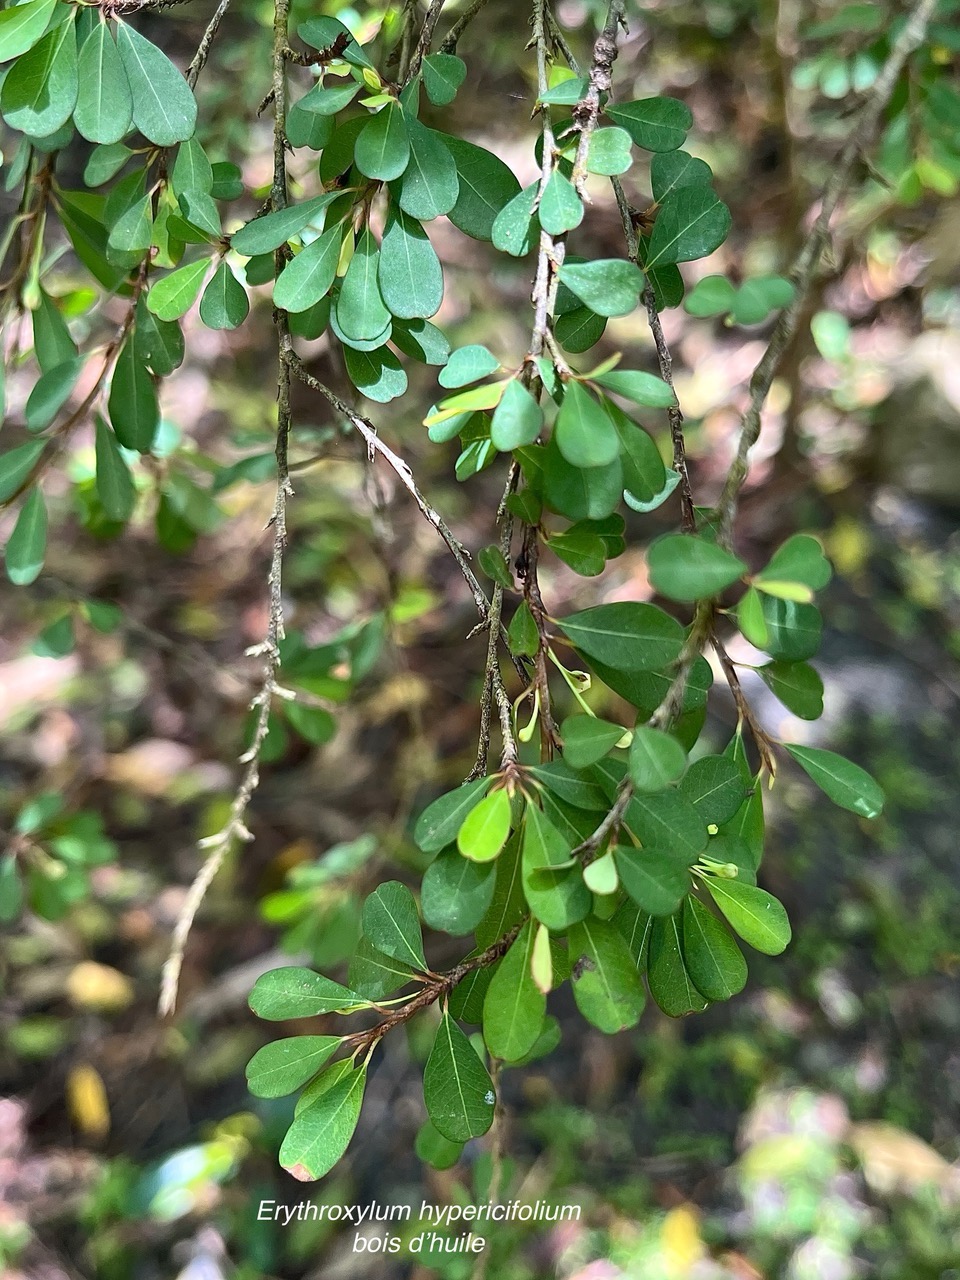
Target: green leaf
294, 992
104, 163
712, 957
793, 630
641, 388
606, 984
52, 343
456, 893
307, 129
514, 1007
376, 374
430, 185
516, 228
608, 286
434, 1149
797, 685
522, 635
627, 636
672, 169
375, 975
439, 823
582, 550
844, 782
312, 723
16, 465
800, 559
691, 223
608, 152
115, 487
517, 419
600, 876
39, 91
283, 1066
11, 884
686, 567
635, 925
159, 343
756, 298
409, 274
457, 1090
27, 544
750, 618
586, 739
543, 844
466, 365
670, 984
656, 759
419, 339
176, 293
486, 187
104, 110
322, 32
392, 925
711, 296
265, 234
567, 93
164, 108
580, 329
715, 787
656, 124
224, 304
507, 908
329, 100
321, 1132
308, 276
486, 827
584, 432
383, 146
22, 25
756, 915
560, 208
361, 312
443, 74
655, 879
668, 821
132, 405
133, 230
51, 393
192, 170
491, 560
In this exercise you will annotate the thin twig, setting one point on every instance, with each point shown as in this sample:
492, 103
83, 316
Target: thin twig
807, 261
587, 110
203, 50
426, 39
449, 44
235, 828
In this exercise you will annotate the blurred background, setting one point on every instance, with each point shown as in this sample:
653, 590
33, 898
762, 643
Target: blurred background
808, 1129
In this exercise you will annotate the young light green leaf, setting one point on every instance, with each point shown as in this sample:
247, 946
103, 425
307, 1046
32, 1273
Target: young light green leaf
383, 146
456, 893
308, 276
751, 620
627, 636
670, 983
756, 915
712, 957
608, 286
601, 876
656, 759
430, 185
409, 274
655, 879
514, 1007
39, 91
560, 208
800, 559
104, 110
844, 782
466, 365
688, 567
295, 992
439, 823
486, 187
27, 545
176, 293
691, 223
392, 925
486, 827
283, 1066
224, 304
164, 108
443, 74
321, 1132
517, 419
115, 487
457, 1090
584, 432
587, 739
22, 25
656, 124
608, 152
606, 984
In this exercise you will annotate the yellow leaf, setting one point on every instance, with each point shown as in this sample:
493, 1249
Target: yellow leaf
87, 1101
680, 1240
97, 986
